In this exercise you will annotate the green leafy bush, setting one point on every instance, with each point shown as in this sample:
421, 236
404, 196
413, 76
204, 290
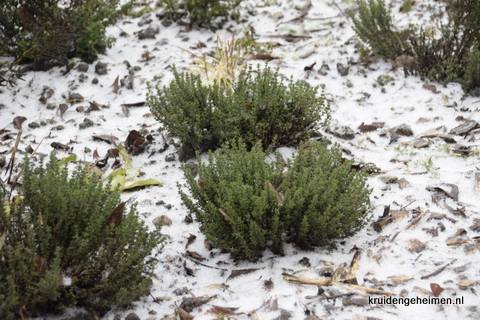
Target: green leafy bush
245, 204
70, 243
49, 32
324, 198
257, 107
201, 12
443, 54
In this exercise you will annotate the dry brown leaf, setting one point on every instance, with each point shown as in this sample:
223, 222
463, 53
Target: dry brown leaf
116, 216
190, 240
220, 286
147, 56
367, 127
115, 85
436, 289
200, 44
184, 315
225, 311
195, 255
236, 273
108, 138
262, 56
95, 155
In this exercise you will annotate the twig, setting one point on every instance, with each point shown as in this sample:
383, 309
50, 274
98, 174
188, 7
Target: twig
316, 282
438, 271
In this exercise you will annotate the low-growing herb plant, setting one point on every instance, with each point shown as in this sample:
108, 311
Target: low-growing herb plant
235, 201
258, 106
446, 52
324, 197
68, 240
245, 203
47, 33
197, 12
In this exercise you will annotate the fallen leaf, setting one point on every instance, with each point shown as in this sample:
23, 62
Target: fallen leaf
59, 146
17, 122
224, 311
310, 67
184, 315
436, 289
367, 127
277, 16
188, 304
116, 216
195, 255
147, 56
239, 272
95, 155
110, 139
262, 56
115, 85
200, 44
93, 107
416, 246
190, 240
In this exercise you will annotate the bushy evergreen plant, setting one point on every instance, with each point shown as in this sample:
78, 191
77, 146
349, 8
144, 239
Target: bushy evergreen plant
258, 106
235, 201
446, 54
49, 32
324, 198
202, 13
245, 203
67, 240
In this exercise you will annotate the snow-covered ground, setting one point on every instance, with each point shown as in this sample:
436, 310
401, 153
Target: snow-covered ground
399, 259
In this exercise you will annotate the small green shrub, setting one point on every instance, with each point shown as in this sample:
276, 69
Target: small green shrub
234, 202
49, 32
324, 198
70, 243
257, 106
245, 204
446, 57
200, 12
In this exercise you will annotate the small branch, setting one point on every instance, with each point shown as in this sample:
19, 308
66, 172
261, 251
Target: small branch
316, 282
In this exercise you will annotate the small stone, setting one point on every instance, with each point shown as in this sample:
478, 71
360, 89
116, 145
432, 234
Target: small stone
342, 70
170, 157
180, 291
101, 68
58, 128
47, 93
326, 272
193, 168
168, 206
420, 143
86, 124
80, 109
404, 130
342, 132
132, 316
3, 162
146, 19
464, 128
349, 84
33, 125
82, 67
305, 262
162, 221
51, 106
416, 246
355, 301
149, 33
94, 81
74, 97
